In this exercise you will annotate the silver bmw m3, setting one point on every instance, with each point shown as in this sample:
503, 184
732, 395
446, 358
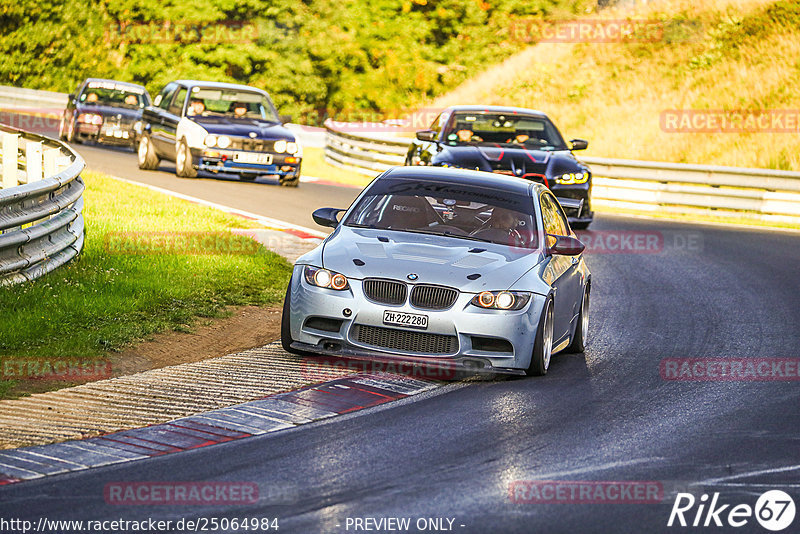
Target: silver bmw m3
442, 266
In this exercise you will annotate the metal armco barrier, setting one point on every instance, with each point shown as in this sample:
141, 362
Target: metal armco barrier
760, 194
41, 225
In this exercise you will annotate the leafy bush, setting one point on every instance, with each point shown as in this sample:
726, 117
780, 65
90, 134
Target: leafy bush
315, 57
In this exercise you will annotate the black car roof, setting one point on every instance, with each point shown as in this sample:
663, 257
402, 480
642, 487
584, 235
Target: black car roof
220, 85
507, 183
497, 109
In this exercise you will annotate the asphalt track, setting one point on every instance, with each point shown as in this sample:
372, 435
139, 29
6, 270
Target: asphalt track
604, 415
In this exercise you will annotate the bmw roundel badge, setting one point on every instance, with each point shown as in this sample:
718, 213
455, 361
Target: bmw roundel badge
412, 276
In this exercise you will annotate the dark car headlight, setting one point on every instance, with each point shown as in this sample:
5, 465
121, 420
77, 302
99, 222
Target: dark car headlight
325, 278
501, 300
572, 178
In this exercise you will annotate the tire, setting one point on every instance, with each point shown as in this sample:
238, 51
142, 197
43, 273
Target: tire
543, 345
289, 182
580, 225
62, 130
286, 330
183, 161
146, 154
70, 135
578, 343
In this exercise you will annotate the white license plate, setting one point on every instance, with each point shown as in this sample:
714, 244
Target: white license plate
412, 320
252, 157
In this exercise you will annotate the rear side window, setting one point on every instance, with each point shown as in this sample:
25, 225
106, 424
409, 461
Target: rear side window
177, 103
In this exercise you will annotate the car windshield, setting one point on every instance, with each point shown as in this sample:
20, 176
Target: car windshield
463, 211
512, 129
232, 103
113, 94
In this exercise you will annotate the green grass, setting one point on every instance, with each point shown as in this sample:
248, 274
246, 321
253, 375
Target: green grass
106, 300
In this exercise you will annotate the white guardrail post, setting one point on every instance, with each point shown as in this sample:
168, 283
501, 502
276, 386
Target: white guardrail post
41, 204
760, 194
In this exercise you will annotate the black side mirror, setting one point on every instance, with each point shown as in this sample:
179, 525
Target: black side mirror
564, 244
427, 135
579, 144
327, 216
285, 118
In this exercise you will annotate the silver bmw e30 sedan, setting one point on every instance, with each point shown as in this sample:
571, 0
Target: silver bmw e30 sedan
443, 266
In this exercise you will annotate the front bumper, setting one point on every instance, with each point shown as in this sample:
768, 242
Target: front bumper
106, 134
465, 327
580, 192
223, 161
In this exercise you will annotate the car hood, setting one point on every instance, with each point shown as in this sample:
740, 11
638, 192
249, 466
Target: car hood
244, 128
434, 259
111, 111
518, 161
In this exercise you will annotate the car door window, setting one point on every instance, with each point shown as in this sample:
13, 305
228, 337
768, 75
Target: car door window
177, 103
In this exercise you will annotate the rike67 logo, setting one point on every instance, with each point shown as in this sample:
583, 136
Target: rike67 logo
774, 510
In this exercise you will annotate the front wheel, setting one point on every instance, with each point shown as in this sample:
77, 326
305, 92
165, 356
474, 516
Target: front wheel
286, 181
286, 329
543, 344
70, 136
578, 343
148, 160
183, 162
62, 130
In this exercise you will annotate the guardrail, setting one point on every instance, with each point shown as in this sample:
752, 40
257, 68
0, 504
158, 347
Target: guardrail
41, 203
760, 194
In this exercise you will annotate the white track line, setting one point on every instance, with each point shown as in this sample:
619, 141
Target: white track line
772, 471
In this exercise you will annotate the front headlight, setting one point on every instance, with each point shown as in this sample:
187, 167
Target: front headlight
291, 147
572, 178
223, 141
211, 140
280, 146
90, 118
325, 278
501, 300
